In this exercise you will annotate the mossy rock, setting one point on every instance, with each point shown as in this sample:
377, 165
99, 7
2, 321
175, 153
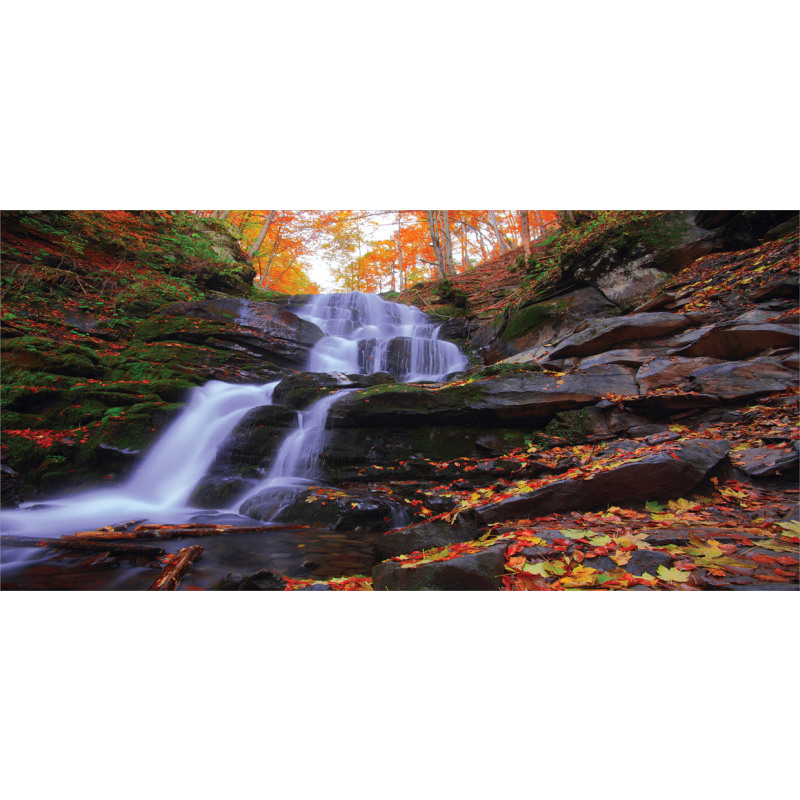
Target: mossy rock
188, 329
37, 354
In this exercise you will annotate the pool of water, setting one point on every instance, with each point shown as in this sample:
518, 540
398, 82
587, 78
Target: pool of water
295, 553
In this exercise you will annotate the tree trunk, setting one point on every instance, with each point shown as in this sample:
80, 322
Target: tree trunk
172, 573
400, 277
524, 227
437, 249
448, 244
223, 214
566, 219
261, 235
539, 224
500, 241
268, 269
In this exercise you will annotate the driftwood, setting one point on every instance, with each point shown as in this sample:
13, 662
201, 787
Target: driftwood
114, 548
175, 531
178, 566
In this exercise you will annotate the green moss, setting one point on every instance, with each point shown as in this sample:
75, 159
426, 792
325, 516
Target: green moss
161, 329
573, 426
37, 354
527, 320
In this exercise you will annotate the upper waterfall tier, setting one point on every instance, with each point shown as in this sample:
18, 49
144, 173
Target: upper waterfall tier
367, 334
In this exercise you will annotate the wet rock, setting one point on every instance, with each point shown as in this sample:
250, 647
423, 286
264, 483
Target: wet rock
481, 571
334, 509
602, 563
301, 389
662, 372
437, 533
739, 341
506, 399
642, 561
261, 581
244, 456
604, 334
662, 475
10, 486
734, 380
761, 462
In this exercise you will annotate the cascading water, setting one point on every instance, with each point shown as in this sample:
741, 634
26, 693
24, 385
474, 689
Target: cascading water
365, 334
159, 488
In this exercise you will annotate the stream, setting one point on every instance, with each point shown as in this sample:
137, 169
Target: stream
363, 334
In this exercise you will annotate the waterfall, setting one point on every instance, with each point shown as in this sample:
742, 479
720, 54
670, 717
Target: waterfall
159, 488
367, 334
364, 334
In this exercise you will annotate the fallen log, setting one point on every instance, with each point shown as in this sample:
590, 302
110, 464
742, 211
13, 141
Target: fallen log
178, 566
176, 531
68, 543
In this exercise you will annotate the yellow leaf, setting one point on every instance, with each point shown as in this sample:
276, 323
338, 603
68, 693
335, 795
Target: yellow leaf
672, 574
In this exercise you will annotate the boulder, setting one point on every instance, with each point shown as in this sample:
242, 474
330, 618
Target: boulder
630, 283
663, 475
604, 334
737, 380
437, 533
481, 571
510, 399
732, 342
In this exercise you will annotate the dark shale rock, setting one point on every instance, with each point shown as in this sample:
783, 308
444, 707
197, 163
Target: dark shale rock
671, 371
481, 571
785, 288
761, 462
662, 475
604, 334
509, 400
632, 357
735, 380
303, 388
739, 341
642, 561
